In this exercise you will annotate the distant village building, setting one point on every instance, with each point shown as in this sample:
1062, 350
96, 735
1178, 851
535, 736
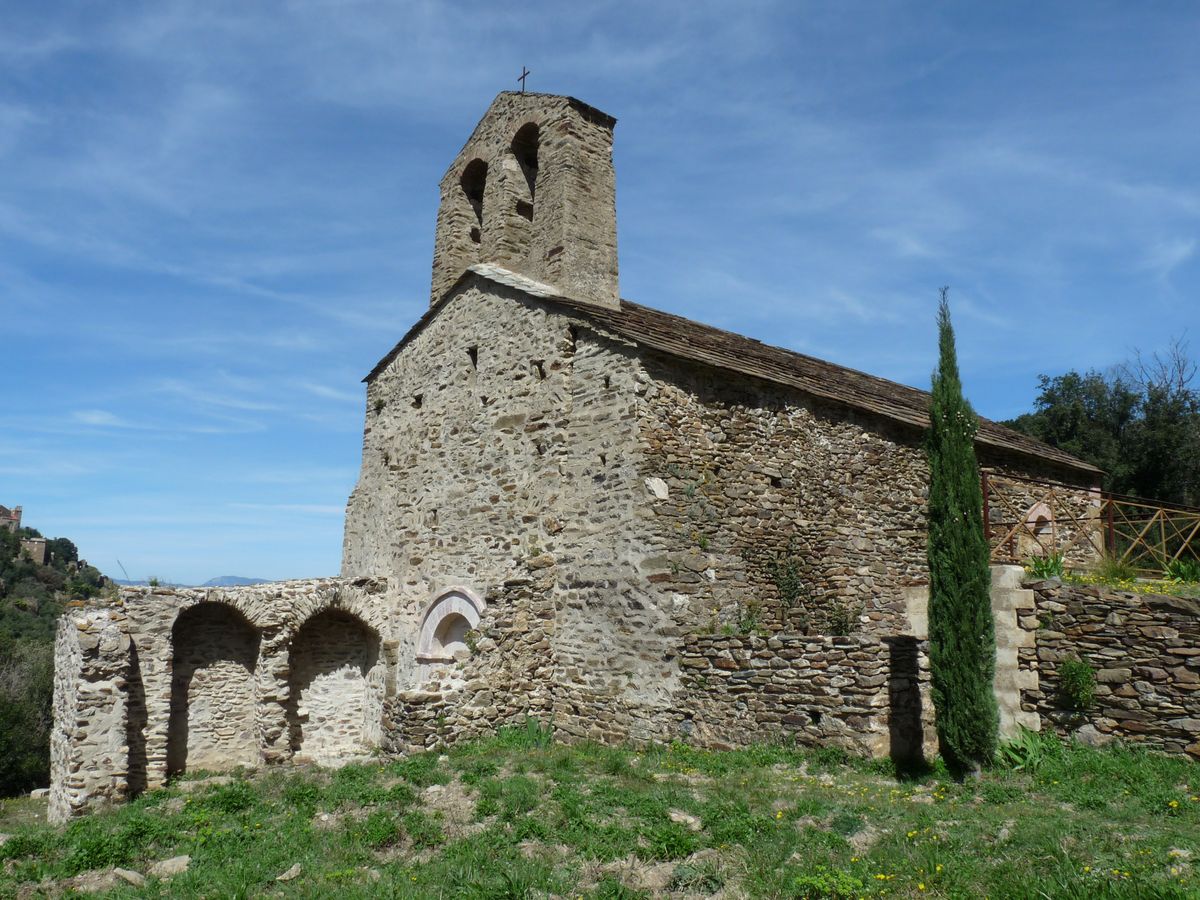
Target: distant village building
10, 518
571, 507
35, 549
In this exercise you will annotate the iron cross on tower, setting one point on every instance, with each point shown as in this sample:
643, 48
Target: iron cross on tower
525, 73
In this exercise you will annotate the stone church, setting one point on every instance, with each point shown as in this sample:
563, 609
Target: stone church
571, 507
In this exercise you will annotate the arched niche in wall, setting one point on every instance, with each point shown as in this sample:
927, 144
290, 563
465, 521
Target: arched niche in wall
1040, 531
335, 702
212, 723
443, 636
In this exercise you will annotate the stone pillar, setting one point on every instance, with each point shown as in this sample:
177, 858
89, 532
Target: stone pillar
274, 690
88, 746
1009, 604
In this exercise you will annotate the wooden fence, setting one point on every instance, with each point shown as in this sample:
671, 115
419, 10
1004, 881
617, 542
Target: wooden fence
1025, 517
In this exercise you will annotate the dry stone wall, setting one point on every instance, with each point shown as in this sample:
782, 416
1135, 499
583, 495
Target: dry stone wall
1146, 653
854, 692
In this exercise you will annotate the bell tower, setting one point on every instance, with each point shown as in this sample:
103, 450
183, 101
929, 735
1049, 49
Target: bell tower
533, 191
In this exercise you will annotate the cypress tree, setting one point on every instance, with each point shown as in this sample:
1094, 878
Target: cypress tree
962, 637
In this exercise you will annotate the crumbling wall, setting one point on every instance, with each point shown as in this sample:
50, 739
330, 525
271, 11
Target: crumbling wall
1146, 653
165, 679
88, 751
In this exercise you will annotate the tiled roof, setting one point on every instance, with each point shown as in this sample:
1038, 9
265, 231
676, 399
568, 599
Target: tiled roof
691, 340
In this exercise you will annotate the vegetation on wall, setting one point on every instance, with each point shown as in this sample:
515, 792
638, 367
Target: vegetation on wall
962, 639
31, 599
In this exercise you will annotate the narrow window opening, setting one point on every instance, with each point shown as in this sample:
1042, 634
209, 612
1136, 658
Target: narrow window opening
418, 400
525, 150
604, 459
607, 382
474, 179
814, 716
473, 352
539, 366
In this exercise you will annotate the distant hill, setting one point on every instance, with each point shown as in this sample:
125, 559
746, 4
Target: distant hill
219, 581
231, 581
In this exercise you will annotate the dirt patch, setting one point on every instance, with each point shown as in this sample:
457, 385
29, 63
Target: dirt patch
457, 807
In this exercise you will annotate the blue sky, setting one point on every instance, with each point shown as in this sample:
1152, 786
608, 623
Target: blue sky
216, 217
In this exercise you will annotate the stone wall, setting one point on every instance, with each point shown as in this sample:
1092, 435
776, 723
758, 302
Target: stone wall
506, 432
335, 703
213, 692
1146, 652
855, 692
88, 743
791, 514
509, 673
1028, 518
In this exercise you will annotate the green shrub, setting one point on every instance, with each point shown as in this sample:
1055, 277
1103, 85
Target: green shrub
1186, 570
1076, 684
379, 829
1048, 566
423, 829
1114, 569
826, 884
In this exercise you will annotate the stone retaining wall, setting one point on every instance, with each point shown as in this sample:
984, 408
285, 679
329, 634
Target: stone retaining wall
1146, 652
857, 692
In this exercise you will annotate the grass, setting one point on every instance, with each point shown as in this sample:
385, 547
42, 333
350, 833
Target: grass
516, 815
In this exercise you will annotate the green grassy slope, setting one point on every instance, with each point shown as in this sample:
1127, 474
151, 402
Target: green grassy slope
519, 816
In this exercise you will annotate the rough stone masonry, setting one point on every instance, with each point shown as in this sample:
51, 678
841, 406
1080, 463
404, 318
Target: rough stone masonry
570, 507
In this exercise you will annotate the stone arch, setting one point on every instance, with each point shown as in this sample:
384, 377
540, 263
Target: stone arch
212, 722
336, 688
474, 184
1040, 528
443, 635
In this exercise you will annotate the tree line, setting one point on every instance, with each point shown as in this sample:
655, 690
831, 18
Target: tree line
1139, 422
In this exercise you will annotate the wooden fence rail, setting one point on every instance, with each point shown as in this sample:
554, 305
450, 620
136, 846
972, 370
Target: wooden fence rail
1025, 517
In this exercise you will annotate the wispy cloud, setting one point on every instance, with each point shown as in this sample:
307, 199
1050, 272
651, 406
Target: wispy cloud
215, 218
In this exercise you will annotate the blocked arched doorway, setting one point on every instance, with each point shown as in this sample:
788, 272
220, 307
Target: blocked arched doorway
212, 725
335, 706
